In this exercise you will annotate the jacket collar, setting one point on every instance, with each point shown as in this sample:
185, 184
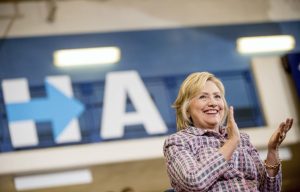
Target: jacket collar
202, 131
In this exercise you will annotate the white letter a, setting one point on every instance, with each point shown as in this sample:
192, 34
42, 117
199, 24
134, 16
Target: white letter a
114, 119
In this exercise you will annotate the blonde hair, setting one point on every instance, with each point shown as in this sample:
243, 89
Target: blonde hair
189, 89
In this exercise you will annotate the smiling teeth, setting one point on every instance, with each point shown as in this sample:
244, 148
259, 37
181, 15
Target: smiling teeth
211, 111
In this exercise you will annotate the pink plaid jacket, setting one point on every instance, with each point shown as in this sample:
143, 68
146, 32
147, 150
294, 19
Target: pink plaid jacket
194, 164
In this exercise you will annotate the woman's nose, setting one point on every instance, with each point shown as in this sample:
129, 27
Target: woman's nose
212, 102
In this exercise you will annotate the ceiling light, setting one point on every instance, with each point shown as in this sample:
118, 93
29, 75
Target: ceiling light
87, 56
265, 44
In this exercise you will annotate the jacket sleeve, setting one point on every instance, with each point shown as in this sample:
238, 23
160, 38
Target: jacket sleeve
188, 173
266, 183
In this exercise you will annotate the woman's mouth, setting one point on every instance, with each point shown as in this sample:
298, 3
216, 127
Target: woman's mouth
211, 111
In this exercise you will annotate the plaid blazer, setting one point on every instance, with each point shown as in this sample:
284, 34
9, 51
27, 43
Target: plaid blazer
194, 164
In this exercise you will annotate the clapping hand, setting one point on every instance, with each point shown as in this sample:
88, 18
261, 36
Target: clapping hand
232, 128
279, 135
233, 136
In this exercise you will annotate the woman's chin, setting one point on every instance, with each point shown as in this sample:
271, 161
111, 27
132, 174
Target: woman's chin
213, 124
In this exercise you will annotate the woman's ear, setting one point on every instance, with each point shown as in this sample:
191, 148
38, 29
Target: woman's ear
189, 117
191, 121
188, 114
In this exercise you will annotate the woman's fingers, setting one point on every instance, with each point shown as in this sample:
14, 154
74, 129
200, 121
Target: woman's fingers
231, 124
284, 128
232, 128
279, 135
231, 115
289, 123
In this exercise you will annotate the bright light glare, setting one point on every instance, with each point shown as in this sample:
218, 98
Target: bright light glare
87, 56
56, 179
264, 44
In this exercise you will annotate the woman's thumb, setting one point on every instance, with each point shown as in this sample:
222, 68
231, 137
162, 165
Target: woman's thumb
230, 114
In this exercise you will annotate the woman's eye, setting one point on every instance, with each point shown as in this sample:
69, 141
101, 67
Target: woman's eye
218, 96
202, 97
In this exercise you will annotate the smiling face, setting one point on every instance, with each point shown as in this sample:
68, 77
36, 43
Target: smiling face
207, 108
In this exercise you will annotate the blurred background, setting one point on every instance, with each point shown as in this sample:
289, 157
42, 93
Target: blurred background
87, 85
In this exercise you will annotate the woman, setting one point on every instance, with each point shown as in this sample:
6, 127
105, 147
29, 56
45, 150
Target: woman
205, 155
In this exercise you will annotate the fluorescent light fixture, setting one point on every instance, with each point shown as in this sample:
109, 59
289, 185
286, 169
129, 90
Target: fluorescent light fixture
87, 56
39, 181
265, 44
